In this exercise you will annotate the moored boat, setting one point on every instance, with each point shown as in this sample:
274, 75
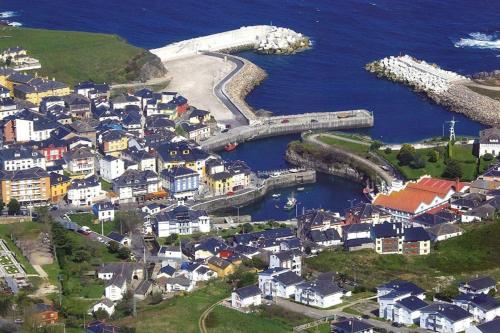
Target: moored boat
290, 204
230, 146
276, 195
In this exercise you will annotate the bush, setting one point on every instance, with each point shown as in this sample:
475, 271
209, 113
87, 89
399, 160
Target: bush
488, 157
375, 145
387, 151
418, 162
433, 156
453, 170
406, 154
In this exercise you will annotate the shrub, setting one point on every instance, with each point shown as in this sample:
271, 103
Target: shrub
433, 156
418, 162
406, 154
488, 157
453, 170
375, 145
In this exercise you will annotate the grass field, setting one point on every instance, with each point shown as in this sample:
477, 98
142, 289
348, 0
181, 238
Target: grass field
72, 57
461, 153
475, 252
269, 319
322, 328
357, 148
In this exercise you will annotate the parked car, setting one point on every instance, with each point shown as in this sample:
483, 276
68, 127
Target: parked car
394, 324
230, 193
314, 121
284, 121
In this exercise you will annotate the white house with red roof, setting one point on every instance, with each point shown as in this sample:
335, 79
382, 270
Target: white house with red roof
418, 197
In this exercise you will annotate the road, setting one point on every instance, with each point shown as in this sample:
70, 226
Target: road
219, 87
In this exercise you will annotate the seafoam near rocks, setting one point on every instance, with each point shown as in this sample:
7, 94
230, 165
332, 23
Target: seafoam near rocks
443, 87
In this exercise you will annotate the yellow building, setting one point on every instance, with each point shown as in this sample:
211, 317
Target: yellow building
222, 177
220, 183
176, 154
113, 142
26, 186
59, 185
222, 267
38, 88
5, 72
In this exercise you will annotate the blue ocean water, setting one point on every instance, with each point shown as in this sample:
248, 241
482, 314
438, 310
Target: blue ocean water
462, 36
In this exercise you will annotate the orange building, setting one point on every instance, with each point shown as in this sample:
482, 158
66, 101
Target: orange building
26, 186
45, 314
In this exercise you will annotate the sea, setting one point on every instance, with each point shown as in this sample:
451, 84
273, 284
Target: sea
462, 36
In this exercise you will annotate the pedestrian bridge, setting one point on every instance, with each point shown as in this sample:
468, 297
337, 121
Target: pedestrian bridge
290, 124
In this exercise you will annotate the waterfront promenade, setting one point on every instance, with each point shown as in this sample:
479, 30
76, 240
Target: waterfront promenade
290, 124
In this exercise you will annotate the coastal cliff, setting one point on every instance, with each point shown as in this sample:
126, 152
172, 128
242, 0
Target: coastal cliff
445, 88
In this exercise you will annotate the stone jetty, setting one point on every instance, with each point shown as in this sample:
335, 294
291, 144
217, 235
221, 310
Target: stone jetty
443, 87
261, 38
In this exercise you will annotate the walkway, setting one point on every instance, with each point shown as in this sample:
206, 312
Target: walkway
204, 315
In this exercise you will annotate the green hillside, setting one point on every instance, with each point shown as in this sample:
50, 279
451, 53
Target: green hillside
72, 57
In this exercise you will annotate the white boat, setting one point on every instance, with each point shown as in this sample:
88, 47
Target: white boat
290, 204
276, 195
300, 189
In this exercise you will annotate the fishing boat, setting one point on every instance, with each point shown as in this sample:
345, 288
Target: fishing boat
300, 189
290, 204
276, 195
230, 146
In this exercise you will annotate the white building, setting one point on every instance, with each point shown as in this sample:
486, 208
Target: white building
84, 192
80, 161
287, 259
488, 327
479, 285
401, 308
445, 318
105, 304
482, 307
181, 221
321, 293
104, 211
278, 282
134, 184
246, 297
21, 159
111, 167
115, 288
489, 142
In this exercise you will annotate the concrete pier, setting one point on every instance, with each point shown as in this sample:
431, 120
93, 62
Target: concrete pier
290, 124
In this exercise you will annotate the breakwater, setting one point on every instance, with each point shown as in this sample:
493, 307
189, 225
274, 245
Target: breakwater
262, 38
444, 87
257, 193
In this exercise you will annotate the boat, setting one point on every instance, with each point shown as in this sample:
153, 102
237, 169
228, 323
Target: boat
290, 204
230, 146
276, 195
300, 189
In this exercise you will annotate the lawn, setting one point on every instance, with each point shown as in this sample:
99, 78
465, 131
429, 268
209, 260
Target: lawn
106, 186
179, 314
52, 271
358, 148
73, 57
87, 219
475, 252
268, 319
462, 153
321, 328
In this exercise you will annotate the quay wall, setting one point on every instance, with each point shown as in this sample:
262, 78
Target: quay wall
274, 126
445, 88
269, 184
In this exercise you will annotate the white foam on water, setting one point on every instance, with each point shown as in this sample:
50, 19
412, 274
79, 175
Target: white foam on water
480, 41
15, 24
7, 14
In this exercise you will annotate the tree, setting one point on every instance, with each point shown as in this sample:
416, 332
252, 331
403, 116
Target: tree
2, 206
101, 314
418, 162
406, 154
171, 239
387, 151
113, 247
433, 156
487, 157
5, 304
453, 170
124, 252
14, 207
246, 228
127, 221
375, 145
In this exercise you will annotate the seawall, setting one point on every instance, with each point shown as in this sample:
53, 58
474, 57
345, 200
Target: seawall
265, 38
269, 184
445, 88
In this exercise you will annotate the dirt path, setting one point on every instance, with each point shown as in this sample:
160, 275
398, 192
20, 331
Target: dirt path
204, 315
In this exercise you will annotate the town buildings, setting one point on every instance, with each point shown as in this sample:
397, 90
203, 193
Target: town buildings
181, 221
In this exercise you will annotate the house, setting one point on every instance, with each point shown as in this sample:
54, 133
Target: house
278, 282
428, 220
198, 272
152, 208
313, 226
205, 248
444, 231
366, 213
117, 277
80, 161
492, 174
220, 266
352, 325
84, 192
489, 141
158, 123
400, 301
488, 327
180, 182
52, 149
468, 202
113, 142
444, 317
170, 255
27, 126
104, 304
197, 116
399, 239
38, 88
321, 293
123, 100
166, 271
27, 186
111, 167
59, 186
234, 176
181, 221
400, 287
133, 185
144, 159
246, 297
406, 310
78, 106
418, 197
482, 306
253, 238
101, 327
45, 314
291, 259
179, 283
120, 239
144, 289
20, 159
196, 132
356, 231
96, 92
479, 285
176, 154
104, 211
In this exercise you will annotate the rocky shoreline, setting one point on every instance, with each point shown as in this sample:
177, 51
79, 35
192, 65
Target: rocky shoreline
442, 87
242, 84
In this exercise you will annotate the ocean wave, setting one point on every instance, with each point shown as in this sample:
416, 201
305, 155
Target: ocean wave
7, 14
15, 24
480, 41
